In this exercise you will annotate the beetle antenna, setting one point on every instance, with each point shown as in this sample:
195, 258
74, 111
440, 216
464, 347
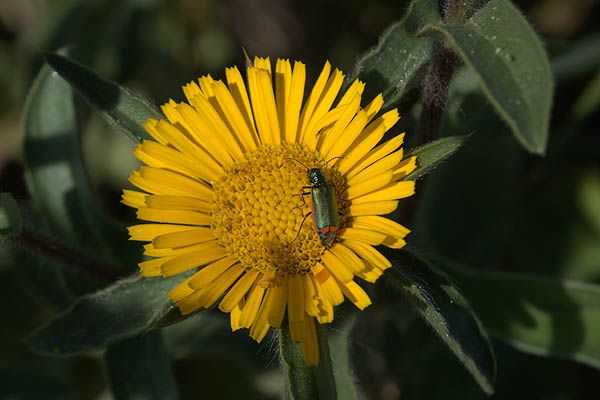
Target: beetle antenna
331, 159
297, 234
290, 158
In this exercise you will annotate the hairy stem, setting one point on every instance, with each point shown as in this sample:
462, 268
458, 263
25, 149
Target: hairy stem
435, 92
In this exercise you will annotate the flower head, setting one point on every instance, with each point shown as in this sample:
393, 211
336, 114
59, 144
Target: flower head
226, 190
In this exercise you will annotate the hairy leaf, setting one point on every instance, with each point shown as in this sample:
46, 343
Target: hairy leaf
125, 309
431, 154
118, 104
445, 309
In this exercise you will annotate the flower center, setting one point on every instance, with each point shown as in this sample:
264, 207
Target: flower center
259, 210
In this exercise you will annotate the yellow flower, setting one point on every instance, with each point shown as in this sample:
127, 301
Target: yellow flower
222, 188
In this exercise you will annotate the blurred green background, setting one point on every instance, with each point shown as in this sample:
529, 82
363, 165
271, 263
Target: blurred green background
491, 206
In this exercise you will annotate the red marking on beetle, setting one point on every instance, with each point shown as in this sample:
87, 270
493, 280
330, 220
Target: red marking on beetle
327, 229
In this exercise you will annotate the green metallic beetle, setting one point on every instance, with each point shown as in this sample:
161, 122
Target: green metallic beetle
324, 211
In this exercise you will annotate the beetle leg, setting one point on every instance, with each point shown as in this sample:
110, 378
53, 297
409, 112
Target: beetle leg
298, 234
302, 194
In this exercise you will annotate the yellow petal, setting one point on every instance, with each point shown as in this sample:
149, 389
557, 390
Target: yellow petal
376, 154
294, 102
295, 300
350, 134
370, 275
405, 167
175, 183
233, 115
153, 267
297, 330
370, 136
252, 305
166, 202
212, 292
372, 208
324, 311
206, 162
150, 126
148, 232
384, 165
393, 191
237, 88
336, 266
238, 291
152, 251
133, 198
183, 217
234, 316
331, 290
169, 158
180, 291
278, 303
184, 262
369, 253
311, 102
369, 185
363, 235
355, 294
261, 326
183, 238
199, 127
374, 106
348, 257
381, 224
394, 243
330, 91
209, 273
341, 125
310, 345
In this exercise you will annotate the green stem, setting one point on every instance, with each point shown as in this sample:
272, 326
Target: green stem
304, 382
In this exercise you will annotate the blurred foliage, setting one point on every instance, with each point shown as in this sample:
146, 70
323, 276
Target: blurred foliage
511, 221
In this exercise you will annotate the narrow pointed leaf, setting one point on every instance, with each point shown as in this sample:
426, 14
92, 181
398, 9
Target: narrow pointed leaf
445, 309
56, 174
123, 310
119, 105
498, 43
548, 317
397, 62
304, 382
431, 154
139, 368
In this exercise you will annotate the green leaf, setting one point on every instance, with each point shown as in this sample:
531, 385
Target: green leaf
446, 311
56, 173
139, 368
10, 216
548, 317
123, 310
304, 382
398, 62
498, 43
431, 154
119, 106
